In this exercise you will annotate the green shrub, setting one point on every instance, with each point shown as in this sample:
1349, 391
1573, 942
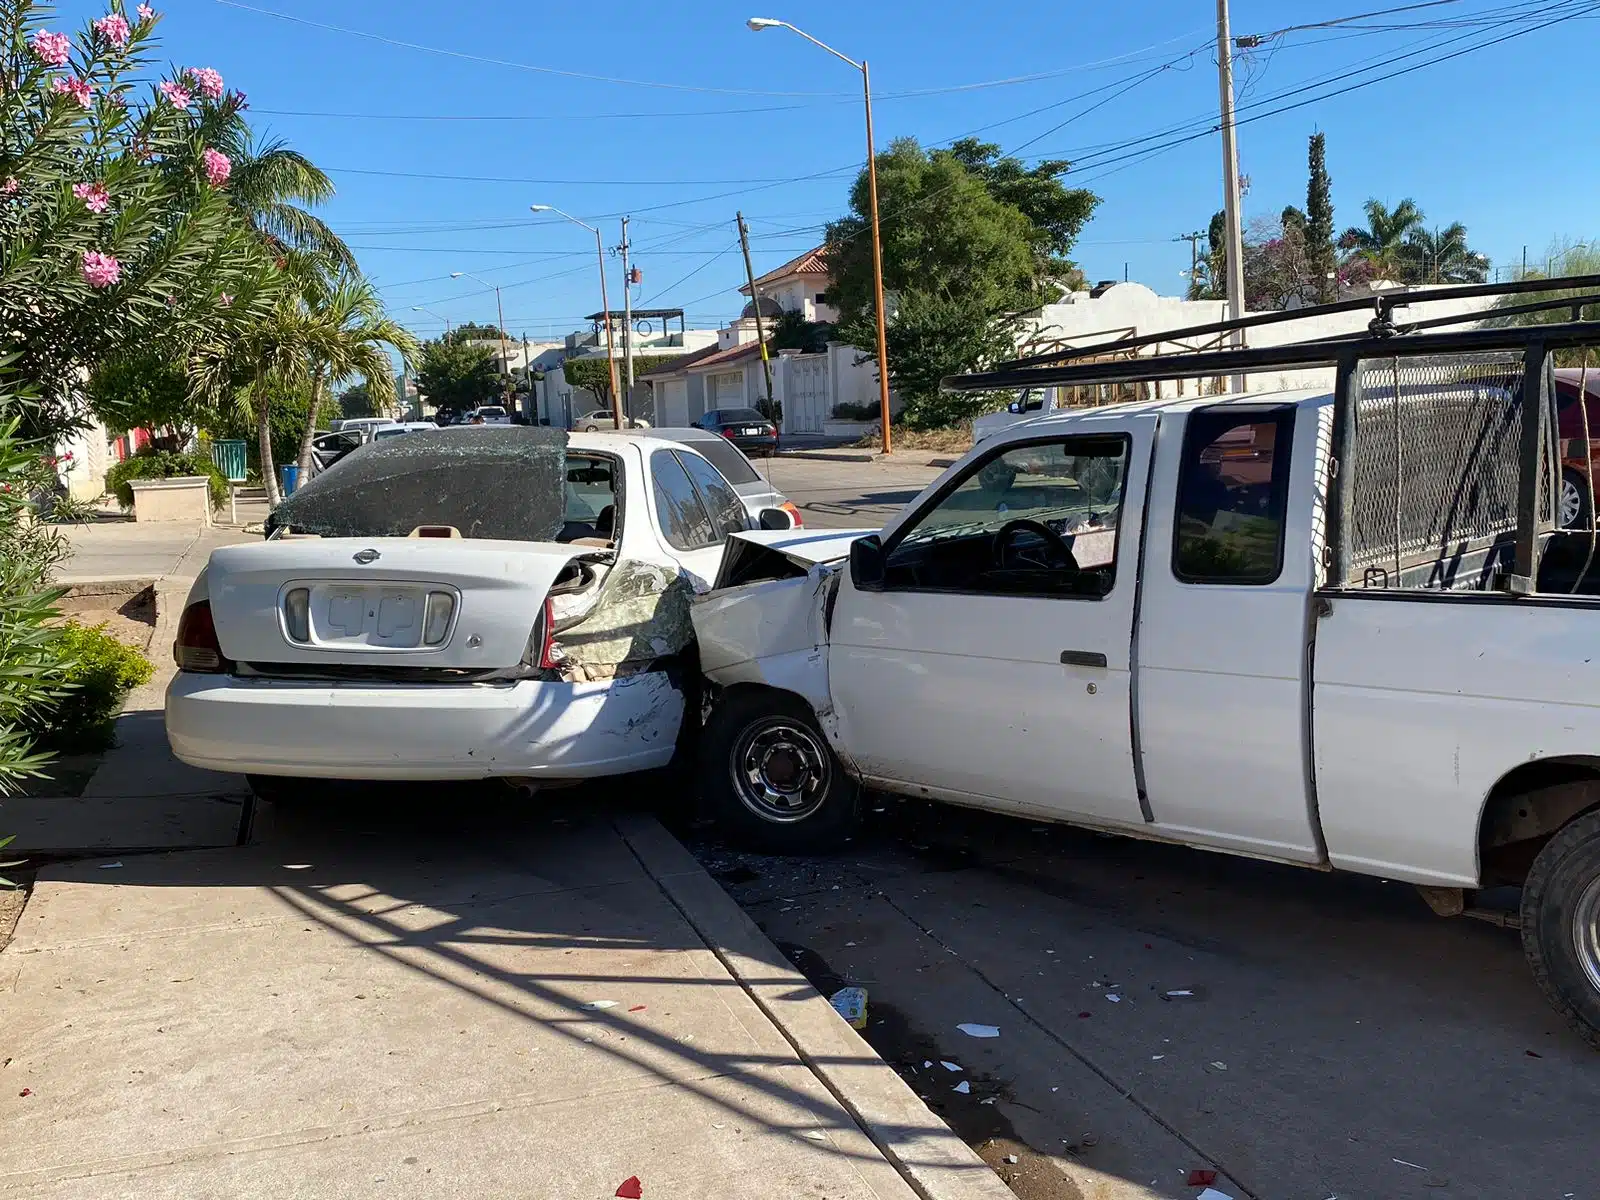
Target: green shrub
164, 464
101, 671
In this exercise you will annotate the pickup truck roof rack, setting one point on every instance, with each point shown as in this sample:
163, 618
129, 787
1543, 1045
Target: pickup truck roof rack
1382, 336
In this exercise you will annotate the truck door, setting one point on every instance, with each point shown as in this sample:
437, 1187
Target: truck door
990, 664
1221, 651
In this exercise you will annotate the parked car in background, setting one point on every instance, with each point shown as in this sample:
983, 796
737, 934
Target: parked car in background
359, 424
328, 448
399, 427
758, 494
486, 414
601, 418
1580, 471
744, 427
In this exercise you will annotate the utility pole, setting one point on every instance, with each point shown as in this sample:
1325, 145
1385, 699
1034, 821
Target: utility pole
627, 325
1230, 181
755, 303
1194, 253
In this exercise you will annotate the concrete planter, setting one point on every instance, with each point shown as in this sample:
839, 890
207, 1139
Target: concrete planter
181, 498
848, 429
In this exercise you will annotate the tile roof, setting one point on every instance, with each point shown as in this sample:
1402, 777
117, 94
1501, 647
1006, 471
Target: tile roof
730, 355
679, 363
812, 262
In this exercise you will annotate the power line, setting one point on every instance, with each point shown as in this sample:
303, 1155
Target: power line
542, 182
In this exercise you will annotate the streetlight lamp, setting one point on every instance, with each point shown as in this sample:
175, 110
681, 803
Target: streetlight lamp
757, 24
605, 305
435, 316
505, 355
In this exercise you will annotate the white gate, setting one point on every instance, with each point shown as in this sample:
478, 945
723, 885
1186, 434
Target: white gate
806, 403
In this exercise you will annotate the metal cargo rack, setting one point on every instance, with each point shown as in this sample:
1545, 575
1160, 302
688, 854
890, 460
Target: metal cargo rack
1441, 482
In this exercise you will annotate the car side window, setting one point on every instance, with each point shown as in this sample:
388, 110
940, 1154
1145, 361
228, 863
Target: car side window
683, 518
1036, 519
1233, 490
727, 510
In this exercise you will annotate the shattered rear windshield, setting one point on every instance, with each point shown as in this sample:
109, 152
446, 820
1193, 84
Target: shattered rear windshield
487, 481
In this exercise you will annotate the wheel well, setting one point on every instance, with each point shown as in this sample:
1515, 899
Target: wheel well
1527, 806
747, 689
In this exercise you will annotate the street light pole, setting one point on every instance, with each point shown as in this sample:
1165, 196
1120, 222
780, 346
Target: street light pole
627, 319
758, 24
1230, 181
605, 304
505, 354
435, 316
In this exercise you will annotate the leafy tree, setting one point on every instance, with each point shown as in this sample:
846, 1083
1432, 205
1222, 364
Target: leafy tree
145, 391
349, 332
1211, 277
356, 402
1383, 242
1320, 258
971, 243
1565, 257
267, 186
455, 377
791, 331
595, 375
116, 231
483, 333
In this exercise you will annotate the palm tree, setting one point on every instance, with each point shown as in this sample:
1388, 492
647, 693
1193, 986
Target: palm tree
348, 332
266, 180
1383, 242
1442, 256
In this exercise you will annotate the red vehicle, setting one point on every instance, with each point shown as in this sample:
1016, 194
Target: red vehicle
1576, 509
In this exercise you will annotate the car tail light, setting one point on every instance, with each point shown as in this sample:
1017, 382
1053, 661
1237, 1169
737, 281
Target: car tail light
550, 655
297, 614
788, 507
436, 621
728, 433
196, 647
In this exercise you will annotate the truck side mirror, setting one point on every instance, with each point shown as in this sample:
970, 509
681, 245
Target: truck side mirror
866, 562
1014, 407
775, 518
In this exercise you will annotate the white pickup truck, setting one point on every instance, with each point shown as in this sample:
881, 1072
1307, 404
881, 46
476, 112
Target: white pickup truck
1334, 629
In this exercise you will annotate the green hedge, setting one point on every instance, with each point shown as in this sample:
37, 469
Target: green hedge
165, 464
101, 673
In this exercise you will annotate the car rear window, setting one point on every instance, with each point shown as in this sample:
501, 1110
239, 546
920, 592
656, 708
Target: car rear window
740, 414
727, 458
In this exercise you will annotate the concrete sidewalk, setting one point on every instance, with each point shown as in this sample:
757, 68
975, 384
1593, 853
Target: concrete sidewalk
435, 995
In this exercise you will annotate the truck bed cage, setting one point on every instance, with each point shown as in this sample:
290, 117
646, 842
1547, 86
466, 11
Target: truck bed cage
1383, 336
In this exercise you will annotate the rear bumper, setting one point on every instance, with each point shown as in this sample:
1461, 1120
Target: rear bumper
422, 731
764, 444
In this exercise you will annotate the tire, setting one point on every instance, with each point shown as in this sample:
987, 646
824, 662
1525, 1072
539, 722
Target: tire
771, 779
1561, 924
1574, 510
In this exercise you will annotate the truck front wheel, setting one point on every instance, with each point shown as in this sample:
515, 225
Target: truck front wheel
770, 776
1561, 924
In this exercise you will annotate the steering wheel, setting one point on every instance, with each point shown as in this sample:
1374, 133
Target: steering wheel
1055, 547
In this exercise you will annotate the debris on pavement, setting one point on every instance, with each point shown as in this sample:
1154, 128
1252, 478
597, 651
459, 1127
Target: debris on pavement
1179, 994
979, 1031
1221, 1066
25, 1092
1404, 1163
630, 1188
110, 866
964, 1087
637, 1008
1011, 1158
1114, 998
950, 1066
815, 1135
1213, 1194
851, 1004
599, 1004
1201, 1177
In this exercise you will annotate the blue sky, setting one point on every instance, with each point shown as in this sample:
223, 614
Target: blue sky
1487, 138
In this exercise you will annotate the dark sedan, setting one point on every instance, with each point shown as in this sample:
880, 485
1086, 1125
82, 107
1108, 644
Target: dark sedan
744, 427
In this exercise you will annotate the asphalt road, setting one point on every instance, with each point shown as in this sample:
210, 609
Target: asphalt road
1336, 1038
845, 495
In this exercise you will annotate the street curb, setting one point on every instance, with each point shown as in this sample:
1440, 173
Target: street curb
933, 1161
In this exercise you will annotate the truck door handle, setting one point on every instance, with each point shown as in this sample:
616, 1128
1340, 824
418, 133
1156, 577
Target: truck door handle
1082, 658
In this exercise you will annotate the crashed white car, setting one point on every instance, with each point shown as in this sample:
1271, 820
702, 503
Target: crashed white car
458, 604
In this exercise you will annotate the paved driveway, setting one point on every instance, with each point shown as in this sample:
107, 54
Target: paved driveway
841, 495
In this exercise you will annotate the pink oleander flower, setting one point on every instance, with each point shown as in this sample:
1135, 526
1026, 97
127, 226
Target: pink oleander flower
208, 81
54, 48
177, 94
94, 196
226, 300
146, 13
11, 185
239, 101
100, 270
218, 168
78, 89
114, 28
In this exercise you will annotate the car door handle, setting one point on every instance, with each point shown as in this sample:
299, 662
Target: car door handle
1082, 658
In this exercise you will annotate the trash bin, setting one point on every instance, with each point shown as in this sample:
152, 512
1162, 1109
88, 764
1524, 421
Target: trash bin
229, 456
289, 479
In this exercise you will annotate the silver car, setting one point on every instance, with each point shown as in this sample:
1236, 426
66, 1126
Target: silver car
756, 491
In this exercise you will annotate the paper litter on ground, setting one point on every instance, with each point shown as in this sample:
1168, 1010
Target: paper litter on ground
851, 1004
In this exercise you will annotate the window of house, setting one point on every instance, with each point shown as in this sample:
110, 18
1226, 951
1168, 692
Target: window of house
820, 298
1039, 519
684, 522
1233, 489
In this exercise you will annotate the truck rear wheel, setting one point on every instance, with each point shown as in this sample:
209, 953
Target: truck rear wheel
770, 776
1561, 924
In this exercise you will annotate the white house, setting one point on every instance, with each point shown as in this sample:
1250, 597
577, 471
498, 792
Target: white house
800, 285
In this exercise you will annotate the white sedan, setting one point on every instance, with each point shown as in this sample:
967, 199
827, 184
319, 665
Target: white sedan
458, 604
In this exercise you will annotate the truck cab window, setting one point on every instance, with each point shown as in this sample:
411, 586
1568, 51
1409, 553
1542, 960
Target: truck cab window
1233, 488
1039, 519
